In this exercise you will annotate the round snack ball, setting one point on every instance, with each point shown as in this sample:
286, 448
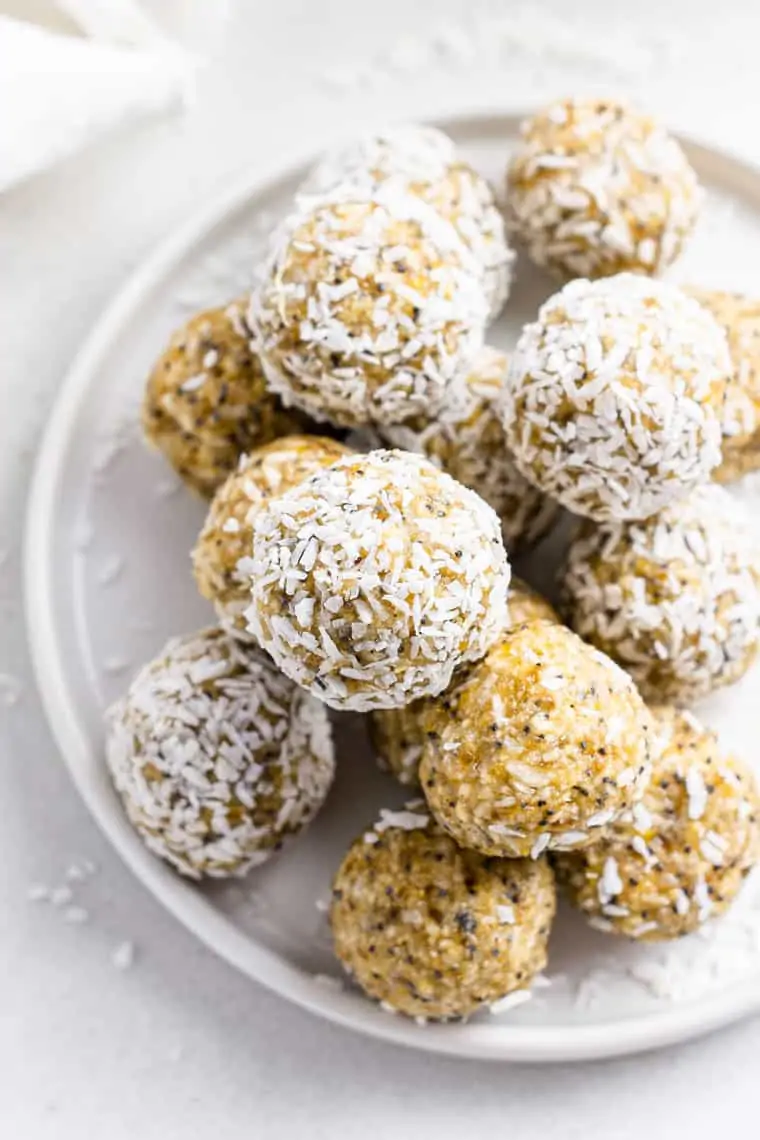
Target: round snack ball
682, 854
398, 735
367, 308
425, 162
739, 316
595, 187
432, 931
543, 743
216, 756
675, 599
614, 396
206, 401
466, 438
374, 580
222, 554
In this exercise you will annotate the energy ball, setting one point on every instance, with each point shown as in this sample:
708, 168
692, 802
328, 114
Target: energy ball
425, 162
595, 187
543, 744
216, 756
367, 309
398, 735
675, 599
374, 580
739, 316
614, 397
222, 554
207, 402
466, 438
682, 854
432, 931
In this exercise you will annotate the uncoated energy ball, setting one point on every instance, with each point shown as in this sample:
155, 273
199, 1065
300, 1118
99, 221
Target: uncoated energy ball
222, 555
433, 931
595, 188
206, 401
466, 438
739, 316
375, 579
399, 734
425, 162
367, 308
544, 743
216, 756
614, 397
675, 599
681, 855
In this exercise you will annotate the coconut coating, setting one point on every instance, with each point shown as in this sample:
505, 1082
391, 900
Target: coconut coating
675, 599
545, 742
222, 554
595, 188
614, 397
206, 401
425, 162
399, 734
739, 316
682, 854
367, 308
433, 931
216, 756
374, 580
465, 437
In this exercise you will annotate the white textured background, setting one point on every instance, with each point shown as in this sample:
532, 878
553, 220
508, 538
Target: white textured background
180, 1046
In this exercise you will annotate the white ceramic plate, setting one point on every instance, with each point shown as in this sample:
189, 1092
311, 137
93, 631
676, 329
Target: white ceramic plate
108, 580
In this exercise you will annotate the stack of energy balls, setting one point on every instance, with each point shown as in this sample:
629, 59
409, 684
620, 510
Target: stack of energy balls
379, 581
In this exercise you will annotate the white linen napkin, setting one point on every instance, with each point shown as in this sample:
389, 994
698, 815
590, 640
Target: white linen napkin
59, 92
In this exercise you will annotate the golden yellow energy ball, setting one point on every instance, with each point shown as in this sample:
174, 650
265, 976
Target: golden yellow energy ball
594, 187
374, 580
206, 401
398, 735
543, 744
682, 854
216, 756
367, 308
432, 931
613, 401
425, 162
739, 316
222, 554
675, 599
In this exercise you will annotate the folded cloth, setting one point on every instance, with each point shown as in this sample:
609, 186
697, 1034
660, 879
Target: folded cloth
60, 92
192, 23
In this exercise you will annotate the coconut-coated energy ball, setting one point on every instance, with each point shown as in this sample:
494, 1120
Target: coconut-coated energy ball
206, 401
682, 854
374, 580
432, 931
739, 316
399, 734
465, 437
544, 743
216, 756
222, 554
674, 599
594, 187
368, 307
614, 397
424, 161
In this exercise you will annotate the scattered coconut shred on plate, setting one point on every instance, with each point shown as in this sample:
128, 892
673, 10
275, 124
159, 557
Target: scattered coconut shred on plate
719, 954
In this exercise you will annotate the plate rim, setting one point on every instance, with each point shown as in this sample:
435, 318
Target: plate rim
474, 1041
